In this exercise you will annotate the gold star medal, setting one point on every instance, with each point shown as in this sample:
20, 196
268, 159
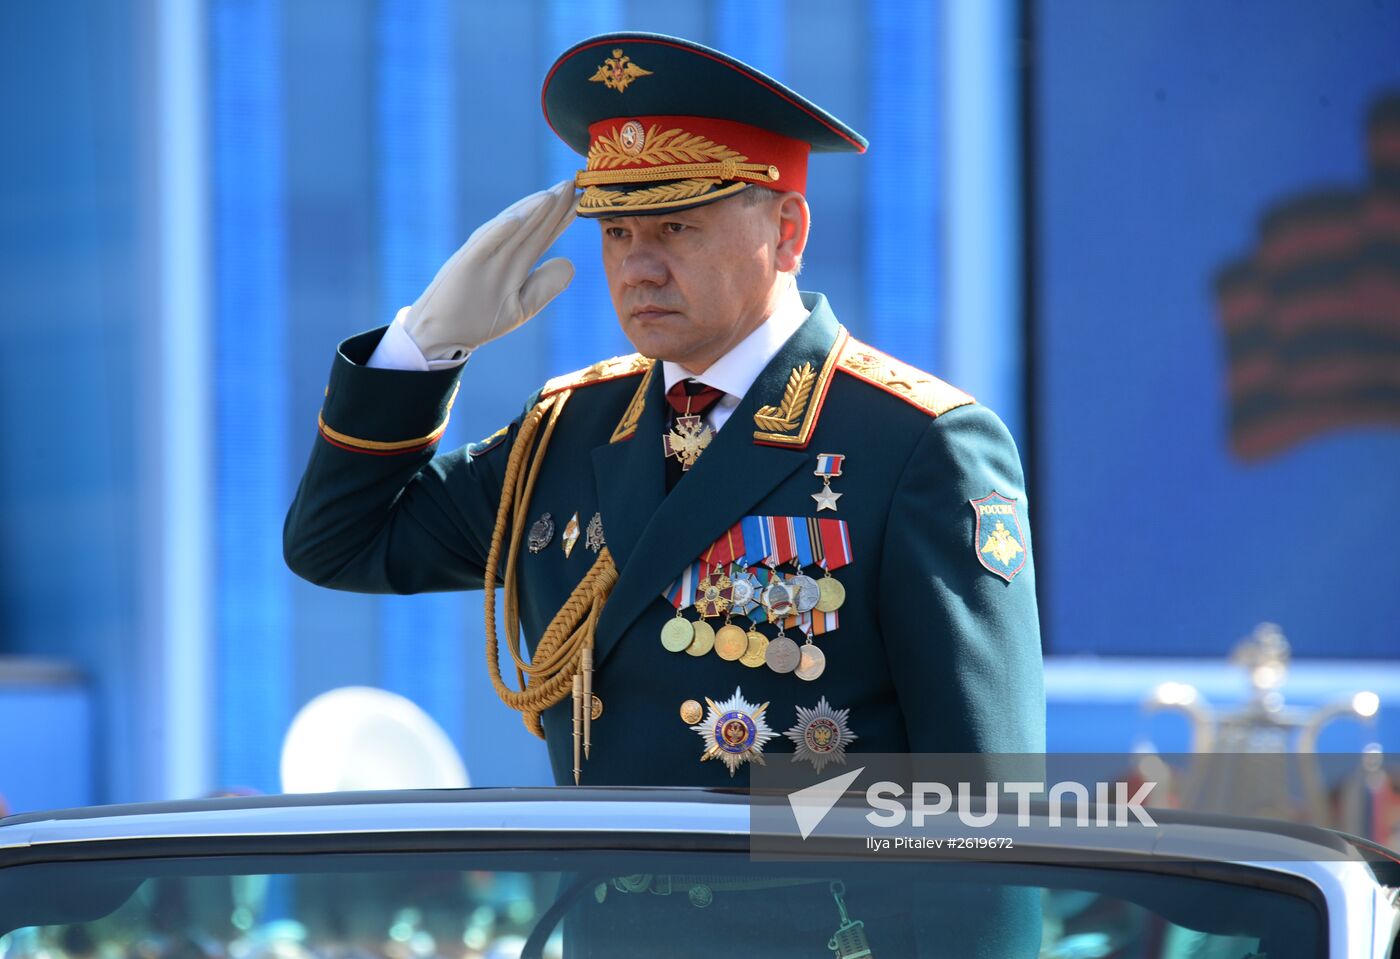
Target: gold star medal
828, 468
821, 735
734, 731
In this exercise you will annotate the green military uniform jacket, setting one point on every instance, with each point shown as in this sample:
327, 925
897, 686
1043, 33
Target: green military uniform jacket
935, 652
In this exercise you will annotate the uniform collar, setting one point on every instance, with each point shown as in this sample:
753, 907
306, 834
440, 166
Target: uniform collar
735, 371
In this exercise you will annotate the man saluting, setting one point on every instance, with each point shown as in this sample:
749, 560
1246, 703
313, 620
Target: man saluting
756, 538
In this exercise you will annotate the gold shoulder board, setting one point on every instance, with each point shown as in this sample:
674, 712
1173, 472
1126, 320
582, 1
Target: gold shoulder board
912, 385
603, 370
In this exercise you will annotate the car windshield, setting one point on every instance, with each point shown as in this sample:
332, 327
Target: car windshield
614, 904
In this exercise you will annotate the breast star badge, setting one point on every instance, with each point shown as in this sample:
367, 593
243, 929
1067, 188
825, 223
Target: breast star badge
821, 735
734, 731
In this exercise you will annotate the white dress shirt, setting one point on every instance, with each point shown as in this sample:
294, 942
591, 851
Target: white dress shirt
733, 373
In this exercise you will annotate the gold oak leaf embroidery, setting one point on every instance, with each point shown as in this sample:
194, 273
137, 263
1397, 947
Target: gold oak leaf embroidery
670, 146
1002, 545
670, 192
787, 416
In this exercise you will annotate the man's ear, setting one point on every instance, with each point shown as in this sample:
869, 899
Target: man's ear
794, 220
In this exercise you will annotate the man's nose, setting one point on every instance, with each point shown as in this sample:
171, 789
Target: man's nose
643, 264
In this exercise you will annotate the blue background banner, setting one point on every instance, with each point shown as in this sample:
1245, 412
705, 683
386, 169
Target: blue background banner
1163, 132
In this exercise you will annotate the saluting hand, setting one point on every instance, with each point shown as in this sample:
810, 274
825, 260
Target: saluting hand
486, 289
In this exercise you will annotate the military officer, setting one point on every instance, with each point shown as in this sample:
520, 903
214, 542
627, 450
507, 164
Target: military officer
756, 539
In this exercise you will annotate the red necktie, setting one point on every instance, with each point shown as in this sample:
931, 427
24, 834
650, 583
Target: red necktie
691, 397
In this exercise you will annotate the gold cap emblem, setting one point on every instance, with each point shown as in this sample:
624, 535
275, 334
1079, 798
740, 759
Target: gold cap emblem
618, 71
632, 138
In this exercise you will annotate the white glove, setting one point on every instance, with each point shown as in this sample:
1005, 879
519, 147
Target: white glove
486, 289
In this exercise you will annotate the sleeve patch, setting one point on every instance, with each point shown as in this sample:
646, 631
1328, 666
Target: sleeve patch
999, 543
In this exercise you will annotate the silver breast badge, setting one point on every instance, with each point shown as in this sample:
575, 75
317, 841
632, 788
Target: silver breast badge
541, 533
821, 734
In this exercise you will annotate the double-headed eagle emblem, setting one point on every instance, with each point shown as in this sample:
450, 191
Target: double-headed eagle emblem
618, 72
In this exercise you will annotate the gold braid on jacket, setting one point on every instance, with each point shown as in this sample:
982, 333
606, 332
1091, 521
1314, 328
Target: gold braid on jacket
563, 658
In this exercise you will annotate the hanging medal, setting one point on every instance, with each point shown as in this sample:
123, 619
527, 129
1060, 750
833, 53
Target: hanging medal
733, 731
731, 642
812, 661
687, 439
713, 598
703, 640
828, 468
821, 735
782, 654
679, 632
756, 649
777, 597
743, 591
833, 539
808, 592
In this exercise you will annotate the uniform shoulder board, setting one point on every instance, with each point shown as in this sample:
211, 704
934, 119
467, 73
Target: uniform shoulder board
488, 444
603, 370
910, 384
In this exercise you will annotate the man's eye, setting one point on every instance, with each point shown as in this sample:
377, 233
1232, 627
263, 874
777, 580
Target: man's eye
671, 227
615, 232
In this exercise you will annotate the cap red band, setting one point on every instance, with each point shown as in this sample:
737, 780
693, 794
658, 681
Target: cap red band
635, 149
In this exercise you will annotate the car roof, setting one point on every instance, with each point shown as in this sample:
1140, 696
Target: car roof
604, 809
